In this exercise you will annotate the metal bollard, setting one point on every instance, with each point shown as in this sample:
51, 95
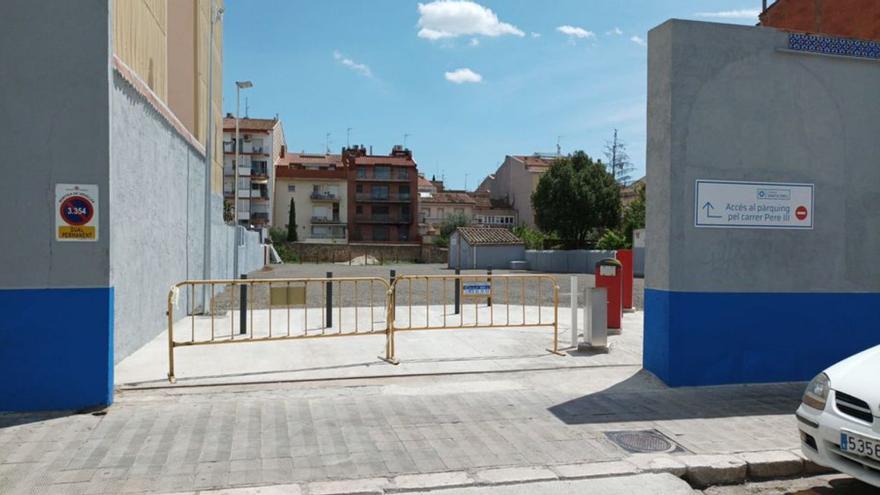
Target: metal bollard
457, 291
595, 319
392, 276
574, 310
242, 308
329, 291
489, 273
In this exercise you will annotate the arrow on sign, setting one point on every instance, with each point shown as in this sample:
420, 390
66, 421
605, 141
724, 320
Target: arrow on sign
708, 207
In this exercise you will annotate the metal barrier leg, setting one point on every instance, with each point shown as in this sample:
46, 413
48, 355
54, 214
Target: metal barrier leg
389, 329
555, 349
170, 313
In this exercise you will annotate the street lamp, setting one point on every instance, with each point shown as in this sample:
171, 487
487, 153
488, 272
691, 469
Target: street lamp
216, 16
239, 85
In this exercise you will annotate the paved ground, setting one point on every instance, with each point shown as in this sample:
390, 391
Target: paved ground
194, 438
419, 290
640, 484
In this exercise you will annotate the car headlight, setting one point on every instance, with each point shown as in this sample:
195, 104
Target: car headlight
817, 392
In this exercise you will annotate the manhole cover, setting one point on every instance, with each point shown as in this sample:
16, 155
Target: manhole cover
641, 441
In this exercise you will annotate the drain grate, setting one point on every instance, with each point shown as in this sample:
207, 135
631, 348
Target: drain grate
641, 441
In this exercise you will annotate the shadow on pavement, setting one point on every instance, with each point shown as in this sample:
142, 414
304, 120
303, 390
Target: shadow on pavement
642, 397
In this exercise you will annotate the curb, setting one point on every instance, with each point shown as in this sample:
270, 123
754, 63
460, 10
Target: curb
700, 471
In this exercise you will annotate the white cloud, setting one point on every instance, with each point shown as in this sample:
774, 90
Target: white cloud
749, 14
616, 31
452, 18
535, 35
576, 32
639, 41
474, 42
361, 69
465, 75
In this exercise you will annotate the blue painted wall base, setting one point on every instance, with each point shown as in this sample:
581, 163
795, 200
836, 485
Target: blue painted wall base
56, 349
700, 338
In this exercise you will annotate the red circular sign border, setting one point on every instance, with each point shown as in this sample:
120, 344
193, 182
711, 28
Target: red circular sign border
91, 212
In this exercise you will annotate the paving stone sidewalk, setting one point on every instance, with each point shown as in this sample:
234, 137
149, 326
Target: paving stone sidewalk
188, 439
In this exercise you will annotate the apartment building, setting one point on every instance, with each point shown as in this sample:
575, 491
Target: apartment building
515, 181
492, 212
847, 18
383, 198
261, 143
318, 185
435, 208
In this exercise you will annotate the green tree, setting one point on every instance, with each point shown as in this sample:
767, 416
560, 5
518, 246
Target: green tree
453, 222
291, 222
611, 240
575, 198
618, 160
634, 215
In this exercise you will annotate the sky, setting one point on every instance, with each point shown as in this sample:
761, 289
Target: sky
464, 83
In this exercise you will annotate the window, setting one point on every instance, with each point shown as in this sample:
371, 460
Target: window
380, 233
402, 173
403, 191
440, 213
402, 234
382, 172
359, 188
379, 192
359, 209
291, 188
362, 172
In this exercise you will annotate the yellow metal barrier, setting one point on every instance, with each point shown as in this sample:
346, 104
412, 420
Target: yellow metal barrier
289, 315
485, 302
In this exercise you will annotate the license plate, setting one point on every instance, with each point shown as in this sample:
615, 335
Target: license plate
853, 443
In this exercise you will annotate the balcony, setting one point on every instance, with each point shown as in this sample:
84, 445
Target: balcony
382, 178
327, 220
380, 218
324, 196
259, 172
384, 198
259, 216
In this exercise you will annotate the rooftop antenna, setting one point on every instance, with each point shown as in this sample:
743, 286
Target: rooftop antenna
246, 112
348, 137
465, 182
327, 142
405, 135
558, 147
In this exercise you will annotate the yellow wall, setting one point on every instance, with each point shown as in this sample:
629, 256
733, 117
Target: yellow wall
139, 39
165, 43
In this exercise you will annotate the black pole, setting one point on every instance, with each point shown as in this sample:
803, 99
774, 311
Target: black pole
242, 308
392, 276
329, 290
457, 290
489, 273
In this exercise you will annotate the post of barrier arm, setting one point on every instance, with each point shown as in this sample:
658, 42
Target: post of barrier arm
457, 290
489, 275
328, 322
242, 308
170, 313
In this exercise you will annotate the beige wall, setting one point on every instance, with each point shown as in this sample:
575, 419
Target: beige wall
165, 43
304, 203
515, 183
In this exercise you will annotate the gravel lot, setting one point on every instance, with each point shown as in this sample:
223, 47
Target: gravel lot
420, 291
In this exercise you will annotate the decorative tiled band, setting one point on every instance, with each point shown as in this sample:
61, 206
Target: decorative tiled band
834, 46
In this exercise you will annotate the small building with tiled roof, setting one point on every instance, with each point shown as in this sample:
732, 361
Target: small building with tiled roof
484, 248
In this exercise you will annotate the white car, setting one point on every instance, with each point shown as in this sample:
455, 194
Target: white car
839, 418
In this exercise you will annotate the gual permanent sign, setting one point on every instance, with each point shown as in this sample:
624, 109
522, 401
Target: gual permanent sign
753, 205
76, 212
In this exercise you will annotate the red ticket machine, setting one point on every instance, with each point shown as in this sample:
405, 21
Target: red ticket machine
609, 274
625, 257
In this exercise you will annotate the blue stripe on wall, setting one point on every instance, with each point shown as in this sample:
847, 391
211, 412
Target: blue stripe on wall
56, 348
701, 338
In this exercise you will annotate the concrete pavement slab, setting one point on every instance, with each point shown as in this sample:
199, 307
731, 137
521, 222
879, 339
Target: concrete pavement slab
772, 464
708, 470
640, 484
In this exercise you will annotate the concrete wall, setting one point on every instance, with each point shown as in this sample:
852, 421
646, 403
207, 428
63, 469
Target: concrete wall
574, 261
514, 183
157, 197
56, 334
745, 305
